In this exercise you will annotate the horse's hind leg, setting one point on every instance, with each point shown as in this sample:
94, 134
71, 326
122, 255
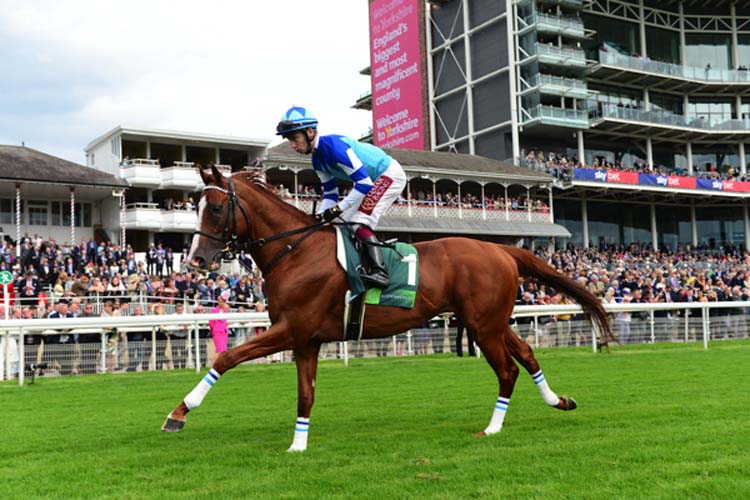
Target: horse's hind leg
522, 353
498, 357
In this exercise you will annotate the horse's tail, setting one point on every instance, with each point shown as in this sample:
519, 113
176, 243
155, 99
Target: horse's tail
529, 265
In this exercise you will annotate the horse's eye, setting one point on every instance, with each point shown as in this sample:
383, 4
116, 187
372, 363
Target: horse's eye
216, 209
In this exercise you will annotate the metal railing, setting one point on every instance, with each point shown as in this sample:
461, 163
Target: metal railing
120, 344
670, 119
707, 75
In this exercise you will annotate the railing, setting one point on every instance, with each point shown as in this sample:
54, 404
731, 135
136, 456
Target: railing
557, 21
555, 113
140, 162
432, 210
542, 79
180, 341
670, 119
718, 75
543, 49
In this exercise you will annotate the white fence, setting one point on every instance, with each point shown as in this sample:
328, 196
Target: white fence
134, 343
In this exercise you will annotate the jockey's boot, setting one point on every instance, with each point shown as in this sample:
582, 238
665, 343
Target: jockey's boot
377, 274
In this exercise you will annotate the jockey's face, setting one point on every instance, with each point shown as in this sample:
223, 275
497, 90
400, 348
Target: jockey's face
301, 141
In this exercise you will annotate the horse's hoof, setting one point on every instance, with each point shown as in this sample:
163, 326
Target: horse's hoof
567, 403
480, 434
172, 425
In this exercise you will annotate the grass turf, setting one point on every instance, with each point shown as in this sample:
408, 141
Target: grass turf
653, 421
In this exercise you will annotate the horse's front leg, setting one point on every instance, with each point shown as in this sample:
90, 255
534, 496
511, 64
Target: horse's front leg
307, 367
275, 339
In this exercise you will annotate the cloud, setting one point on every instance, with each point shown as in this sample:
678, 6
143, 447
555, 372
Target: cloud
77, 69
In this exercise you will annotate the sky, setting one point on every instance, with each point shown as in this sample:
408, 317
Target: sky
71, 70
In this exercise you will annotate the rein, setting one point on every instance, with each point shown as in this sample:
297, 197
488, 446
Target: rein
233, 245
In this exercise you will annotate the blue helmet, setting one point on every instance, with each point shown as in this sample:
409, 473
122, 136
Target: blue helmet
296, 118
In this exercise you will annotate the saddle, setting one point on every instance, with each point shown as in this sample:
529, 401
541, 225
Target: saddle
402, 263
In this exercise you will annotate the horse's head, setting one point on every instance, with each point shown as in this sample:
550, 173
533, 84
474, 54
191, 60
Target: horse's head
222, 220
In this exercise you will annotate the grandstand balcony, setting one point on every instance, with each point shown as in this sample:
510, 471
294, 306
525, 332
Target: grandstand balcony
555, 85
551, 115
553, 25
142, 216
615, 67
661, 125
179, 221
558, 56
182, 175
572, 4
142, 172
413, 209
149, 217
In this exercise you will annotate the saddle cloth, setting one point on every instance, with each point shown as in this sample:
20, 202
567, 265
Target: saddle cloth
402, 265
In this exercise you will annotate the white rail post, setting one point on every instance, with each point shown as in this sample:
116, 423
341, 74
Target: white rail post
21, 356
536, 332
197, 332
345, 349
152, 358
706, 331
395, 346
103, 351
409, 351
653, 320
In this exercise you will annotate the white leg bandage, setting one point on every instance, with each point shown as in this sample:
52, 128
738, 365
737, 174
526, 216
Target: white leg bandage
195, 398
498, 416
548, 396
300, 434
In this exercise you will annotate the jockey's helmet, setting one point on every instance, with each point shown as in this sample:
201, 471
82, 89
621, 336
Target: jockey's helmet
296, 118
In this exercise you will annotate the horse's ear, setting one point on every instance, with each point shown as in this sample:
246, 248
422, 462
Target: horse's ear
206, 178
215, 171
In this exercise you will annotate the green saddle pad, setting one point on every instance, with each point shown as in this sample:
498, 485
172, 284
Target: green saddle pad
403, 270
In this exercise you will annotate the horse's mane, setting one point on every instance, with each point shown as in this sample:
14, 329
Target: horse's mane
256, 179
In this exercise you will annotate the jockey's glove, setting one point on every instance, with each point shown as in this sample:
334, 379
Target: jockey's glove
331, 213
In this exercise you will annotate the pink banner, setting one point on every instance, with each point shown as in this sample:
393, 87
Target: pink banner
622, 177
396, 66
735, 186
681, 182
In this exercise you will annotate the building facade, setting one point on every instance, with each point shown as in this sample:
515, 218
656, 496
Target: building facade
159, 168
655, 89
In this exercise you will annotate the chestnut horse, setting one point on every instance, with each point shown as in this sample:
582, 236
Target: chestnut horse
476, 280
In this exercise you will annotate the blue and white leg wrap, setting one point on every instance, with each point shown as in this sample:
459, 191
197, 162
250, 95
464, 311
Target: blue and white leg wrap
195, 398
498, 416
301, 430
549, 397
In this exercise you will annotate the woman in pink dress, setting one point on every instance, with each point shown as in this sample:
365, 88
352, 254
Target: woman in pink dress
218, 327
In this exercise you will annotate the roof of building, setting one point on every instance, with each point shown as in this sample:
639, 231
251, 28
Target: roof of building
19, 163
194, 137
432, 162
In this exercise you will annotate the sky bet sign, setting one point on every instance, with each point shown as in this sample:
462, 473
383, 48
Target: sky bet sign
396, 67
672, 181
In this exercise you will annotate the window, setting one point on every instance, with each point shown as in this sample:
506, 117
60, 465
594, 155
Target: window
7, 214
38, 213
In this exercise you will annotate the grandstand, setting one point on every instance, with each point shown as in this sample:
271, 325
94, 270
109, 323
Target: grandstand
650, 96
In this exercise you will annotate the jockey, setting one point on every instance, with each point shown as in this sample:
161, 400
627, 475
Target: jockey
377, 181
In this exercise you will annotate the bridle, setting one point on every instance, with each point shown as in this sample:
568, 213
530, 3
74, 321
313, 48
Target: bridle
232, 243
229, 236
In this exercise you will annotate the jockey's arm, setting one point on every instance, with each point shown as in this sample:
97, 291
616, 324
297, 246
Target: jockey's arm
357, 172
330, 191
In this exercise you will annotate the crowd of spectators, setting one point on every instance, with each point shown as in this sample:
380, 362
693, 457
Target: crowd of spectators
561, 166
448, 199
47, 273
